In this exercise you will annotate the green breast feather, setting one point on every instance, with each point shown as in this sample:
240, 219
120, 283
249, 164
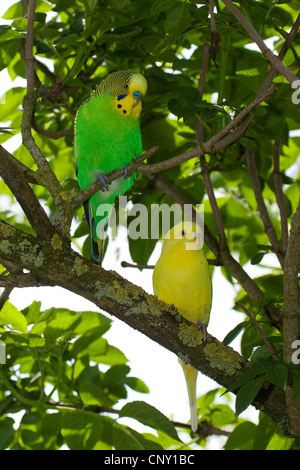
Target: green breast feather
108, 137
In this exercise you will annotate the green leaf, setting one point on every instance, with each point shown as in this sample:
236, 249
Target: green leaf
12, 99
277, 375
32, 312
241, 438
178, 19
126, 438
11, 316
248, 143
162, 5
247, 394
137, 384
9, 34
246, 377
82, 430
90, 394
6, 432
149, 416
221, 415
234, 332
14, 11
257, 258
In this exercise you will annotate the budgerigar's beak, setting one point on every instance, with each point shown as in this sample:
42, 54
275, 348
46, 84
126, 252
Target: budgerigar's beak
137, 95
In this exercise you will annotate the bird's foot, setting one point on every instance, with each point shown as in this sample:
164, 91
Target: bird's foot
172, 306
125, 171
103, 179
201, 326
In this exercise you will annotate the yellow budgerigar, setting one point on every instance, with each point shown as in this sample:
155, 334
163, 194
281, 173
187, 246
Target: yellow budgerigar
182, 278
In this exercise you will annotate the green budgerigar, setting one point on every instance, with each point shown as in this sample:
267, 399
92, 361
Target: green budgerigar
107, 138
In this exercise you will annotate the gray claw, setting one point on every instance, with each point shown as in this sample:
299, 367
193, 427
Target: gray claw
103, 178
125, 171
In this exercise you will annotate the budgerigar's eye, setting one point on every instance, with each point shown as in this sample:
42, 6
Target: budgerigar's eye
183, 233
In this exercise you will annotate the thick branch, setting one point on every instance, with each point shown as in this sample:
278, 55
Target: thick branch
9, 170
131, 304
29, 175
291, 318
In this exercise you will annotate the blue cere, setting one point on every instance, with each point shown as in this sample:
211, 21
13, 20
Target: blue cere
137, 94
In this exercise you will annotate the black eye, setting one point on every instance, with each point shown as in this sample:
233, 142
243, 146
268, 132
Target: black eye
183, 233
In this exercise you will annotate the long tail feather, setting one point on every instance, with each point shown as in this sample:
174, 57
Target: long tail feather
99, 244
190, 374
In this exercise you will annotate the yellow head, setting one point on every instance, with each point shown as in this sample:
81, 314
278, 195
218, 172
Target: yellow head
185, 235
128, 89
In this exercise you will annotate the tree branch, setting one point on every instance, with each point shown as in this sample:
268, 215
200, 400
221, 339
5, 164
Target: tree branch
211, 145
280, 195
274, 61
4, 296
24, 194
291, 317
119, 297
49, 179
270, 231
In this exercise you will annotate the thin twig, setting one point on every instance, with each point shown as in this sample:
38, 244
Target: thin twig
270, 231
29, 60
261, 333
125, 264
203, 164
205, 429
279, 194
210, 145
51, 134
205, 59
50, 180
215, 37
275, 61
